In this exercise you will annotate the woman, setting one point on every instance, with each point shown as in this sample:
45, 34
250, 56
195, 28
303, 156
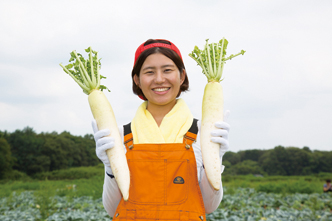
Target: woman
168, 181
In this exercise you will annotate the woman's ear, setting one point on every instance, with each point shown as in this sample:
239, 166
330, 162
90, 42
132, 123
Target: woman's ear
182, 76
136, 80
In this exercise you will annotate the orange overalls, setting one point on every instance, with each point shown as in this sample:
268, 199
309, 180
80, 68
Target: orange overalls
163, 181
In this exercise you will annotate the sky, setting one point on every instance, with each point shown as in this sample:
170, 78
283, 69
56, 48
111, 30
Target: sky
278, 93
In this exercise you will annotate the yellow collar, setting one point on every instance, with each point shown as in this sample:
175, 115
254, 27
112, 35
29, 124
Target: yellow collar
173, 127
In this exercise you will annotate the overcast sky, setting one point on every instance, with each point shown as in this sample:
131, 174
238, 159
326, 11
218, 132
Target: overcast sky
279, 92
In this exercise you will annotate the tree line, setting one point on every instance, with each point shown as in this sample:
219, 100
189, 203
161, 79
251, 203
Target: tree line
32, 153
283, 161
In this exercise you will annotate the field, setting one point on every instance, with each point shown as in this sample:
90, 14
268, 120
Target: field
56, 197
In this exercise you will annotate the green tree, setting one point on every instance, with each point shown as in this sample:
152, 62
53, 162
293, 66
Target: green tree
322, 161
44, 152
66, 150
88, 145
6, 159
232, 157
253, 155
269, 162
247, 167
287, 161
298, 161
26, 147
228, 170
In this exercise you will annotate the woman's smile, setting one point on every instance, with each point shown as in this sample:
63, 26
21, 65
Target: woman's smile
162, 90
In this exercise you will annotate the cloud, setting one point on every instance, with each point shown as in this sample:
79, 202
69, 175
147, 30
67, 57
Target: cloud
278, 92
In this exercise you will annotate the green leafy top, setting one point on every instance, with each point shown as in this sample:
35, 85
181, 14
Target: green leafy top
212, 59
85, 72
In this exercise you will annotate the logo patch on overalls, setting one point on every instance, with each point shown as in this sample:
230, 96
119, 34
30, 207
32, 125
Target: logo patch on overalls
178, 180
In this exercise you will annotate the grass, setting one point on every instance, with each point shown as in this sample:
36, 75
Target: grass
88, 181
278, 184
74, 182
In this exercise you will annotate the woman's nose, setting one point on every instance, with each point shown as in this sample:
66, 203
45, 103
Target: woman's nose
159, 77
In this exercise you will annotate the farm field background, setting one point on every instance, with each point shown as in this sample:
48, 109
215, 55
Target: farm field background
75, 194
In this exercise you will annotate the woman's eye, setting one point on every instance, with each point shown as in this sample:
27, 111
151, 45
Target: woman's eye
168, 70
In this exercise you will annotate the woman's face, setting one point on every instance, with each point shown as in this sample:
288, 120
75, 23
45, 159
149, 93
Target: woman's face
160, 80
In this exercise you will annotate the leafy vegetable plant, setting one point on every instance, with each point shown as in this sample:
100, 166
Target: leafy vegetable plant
85, 73
212, 60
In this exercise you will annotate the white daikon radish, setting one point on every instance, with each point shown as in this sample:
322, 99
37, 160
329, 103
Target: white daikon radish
86, 74
212, 60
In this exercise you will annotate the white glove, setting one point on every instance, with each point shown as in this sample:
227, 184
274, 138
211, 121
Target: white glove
220, 135
103, 143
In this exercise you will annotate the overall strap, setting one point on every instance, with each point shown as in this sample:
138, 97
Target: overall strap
128, 136
191, 135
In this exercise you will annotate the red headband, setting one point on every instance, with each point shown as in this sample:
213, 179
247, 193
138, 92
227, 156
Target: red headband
142, 48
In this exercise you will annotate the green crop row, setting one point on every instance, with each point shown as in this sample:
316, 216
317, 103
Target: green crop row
248, 204
244, 204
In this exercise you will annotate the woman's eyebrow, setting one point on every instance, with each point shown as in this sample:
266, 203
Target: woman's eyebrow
149, 67
153, 67
168, 65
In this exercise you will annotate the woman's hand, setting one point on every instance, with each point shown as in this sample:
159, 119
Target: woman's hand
103, 143
220, 135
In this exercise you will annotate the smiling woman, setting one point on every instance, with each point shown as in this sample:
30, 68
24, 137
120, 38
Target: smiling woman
160, 82
173, 55
167, 176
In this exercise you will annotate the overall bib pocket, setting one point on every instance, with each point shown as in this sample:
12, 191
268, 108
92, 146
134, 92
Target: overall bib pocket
147, 187
163, 181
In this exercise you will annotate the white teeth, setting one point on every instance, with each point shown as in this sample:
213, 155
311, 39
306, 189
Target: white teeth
161, 89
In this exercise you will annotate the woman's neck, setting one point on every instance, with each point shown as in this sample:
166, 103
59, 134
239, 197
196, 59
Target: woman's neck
159, 111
